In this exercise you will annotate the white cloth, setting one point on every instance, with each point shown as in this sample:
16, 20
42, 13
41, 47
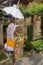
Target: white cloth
10, 30
8, 48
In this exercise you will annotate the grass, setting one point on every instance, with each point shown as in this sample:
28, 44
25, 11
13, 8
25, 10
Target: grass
3, 57
38, 44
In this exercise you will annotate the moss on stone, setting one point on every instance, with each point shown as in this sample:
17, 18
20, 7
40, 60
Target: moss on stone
3, 57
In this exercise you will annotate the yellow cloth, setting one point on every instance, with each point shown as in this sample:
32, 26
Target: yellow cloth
22, 40
11, 43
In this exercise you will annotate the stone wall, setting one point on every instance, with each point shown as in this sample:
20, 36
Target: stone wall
37, 26
7, 61
1, 32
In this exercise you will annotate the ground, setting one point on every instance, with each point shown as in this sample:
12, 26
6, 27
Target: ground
36, 59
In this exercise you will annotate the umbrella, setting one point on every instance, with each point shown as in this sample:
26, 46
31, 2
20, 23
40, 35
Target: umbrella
14, 11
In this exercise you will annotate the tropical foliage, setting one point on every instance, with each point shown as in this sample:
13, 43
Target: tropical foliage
38, 45
28, 46
34, 9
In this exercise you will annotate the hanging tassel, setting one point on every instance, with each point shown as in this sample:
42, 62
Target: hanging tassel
18, 2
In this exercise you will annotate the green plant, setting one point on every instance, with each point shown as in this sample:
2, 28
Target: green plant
37, 9
30, 32
27, 46
3, 57
25, 11
38, 45
34, 9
